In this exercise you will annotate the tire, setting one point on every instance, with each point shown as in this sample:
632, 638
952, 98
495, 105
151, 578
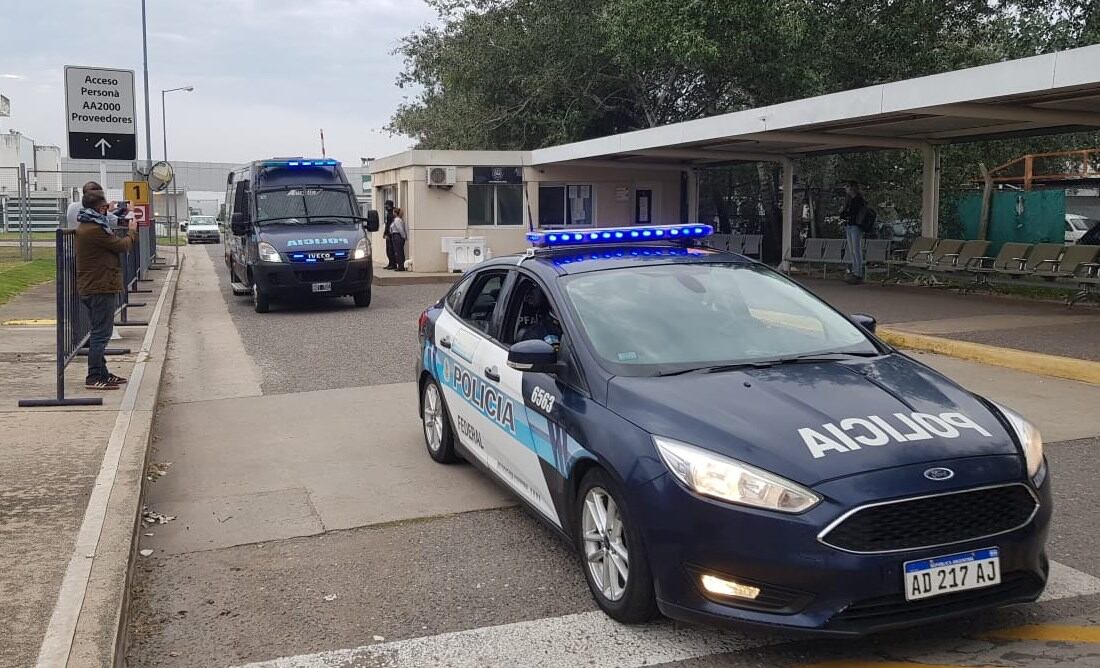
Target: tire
260, 300
436, 422
630, 599
362, 299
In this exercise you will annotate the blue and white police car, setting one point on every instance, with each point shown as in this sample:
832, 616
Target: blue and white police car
723, 446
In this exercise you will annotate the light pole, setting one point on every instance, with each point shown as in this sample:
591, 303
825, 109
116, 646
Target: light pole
145, 69
171, 207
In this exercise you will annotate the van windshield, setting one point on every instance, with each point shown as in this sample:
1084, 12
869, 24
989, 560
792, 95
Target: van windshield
304, 206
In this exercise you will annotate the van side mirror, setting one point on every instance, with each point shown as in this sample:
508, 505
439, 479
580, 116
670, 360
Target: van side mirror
865, 321
534, 355
239, 223
372, 221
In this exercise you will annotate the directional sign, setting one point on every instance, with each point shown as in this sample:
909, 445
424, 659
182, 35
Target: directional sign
142, 215
99, 113
136, 191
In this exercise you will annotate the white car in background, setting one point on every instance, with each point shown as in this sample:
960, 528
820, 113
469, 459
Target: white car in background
1076, 226
203, 229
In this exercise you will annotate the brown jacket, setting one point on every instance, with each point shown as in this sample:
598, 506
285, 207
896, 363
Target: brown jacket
98, 265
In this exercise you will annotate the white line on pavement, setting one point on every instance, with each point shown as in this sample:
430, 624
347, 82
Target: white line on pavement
58, 641
589, 638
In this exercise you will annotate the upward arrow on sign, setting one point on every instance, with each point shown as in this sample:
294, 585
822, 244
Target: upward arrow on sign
103, 145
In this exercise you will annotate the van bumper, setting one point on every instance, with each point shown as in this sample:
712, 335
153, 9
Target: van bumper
287, 279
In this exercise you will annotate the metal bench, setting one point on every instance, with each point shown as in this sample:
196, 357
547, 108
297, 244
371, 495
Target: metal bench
950, 263
1067, 265
751, 245
876, 255
832, 254
1012, 255
901, 257
1040, 255
811, 254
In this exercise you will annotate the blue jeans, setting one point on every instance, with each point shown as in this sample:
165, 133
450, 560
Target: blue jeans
855, 248
101, 313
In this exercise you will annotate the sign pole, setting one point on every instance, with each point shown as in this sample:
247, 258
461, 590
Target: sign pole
103, 176
145, 70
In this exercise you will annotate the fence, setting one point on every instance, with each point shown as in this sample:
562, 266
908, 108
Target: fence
72, 324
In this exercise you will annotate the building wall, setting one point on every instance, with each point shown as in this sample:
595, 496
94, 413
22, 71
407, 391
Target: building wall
434, 213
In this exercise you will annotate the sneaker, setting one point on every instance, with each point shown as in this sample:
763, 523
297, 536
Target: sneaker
99, 384
115, 380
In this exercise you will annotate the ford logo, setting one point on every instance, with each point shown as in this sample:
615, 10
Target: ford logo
939, 473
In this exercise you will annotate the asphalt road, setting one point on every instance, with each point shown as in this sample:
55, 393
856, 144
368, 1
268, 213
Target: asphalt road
312, 526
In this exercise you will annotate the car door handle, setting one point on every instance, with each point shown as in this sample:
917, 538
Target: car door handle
445, 342
492, 374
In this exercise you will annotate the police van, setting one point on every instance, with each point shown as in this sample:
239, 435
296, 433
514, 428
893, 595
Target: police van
297, 231
722, 446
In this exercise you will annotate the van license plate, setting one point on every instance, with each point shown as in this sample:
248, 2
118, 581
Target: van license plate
322, 287
955, 572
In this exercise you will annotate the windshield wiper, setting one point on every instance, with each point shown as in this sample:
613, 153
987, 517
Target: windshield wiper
764, 364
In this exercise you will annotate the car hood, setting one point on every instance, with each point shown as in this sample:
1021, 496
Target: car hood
816, 421
202, 227
315, 237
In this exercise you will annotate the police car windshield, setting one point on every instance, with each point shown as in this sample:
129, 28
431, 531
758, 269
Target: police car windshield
678, 317
304, 205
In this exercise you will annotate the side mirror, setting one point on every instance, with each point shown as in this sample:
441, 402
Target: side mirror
239, 223
372, 221
865, 321
533, 355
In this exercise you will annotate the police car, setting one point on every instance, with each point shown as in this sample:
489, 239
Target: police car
723, 446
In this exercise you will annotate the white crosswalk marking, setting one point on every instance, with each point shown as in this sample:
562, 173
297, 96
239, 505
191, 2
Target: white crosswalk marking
590, 638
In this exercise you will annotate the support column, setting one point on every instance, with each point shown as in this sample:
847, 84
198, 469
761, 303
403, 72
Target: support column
930, 192
693, 196
787, 213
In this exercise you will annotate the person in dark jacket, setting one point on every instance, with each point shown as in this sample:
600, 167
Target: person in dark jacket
855, 208
99, 281
391, 257
399, 233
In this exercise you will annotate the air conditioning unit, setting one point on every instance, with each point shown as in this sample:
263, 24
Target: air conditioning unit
441, 177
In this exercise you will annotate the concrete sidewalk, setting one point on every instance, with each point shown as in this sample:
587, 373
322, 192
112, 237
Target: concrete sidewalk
71, 482
1015, 324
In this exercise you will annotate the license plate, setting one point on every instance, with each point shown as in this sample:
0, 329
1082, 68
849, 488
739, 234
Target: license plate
925, 578
322, 287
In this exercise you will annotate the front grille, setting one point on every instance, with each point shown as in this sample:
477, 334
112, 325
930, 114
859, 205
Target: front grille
320, 275
894, 608
933, 520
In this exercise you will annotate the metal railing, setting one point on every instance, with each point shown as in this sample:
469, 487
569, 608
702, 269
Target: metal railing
72, 323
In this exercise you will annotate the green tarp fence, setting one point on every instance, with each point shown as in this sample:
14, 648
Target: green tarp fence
1029, 217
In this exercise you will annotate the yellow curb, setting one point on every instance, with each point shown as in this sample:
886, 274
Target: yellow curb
1038, 363
1048, 633
29, 323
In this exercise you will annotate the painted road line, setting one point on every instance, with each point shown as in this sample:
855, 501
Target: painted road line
1048, 632
30, 322
589, 638
58, 641
1038, 363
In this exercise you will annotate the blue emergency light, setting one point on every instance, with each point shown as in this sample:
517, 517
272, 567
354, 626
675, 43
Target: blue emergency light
321, 162
618, 235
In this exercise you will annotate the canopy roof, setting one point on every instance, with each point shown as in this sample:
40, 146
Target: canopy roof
1057, 92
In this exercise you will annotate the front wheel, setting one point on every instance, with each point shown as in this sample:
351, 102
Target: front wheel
614, 557
260, 301
362, 298
438, 436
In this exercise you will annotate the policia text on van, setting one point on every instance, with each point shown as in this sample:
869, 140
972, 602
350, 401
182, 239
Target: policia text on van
297, 230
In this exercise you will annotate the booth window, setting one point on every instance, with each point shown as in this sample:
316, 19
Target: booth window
565, 205
495, 204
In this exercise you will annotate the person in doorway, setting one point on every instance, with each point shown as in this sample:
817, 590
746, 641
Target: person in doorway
391, 261
855, 208
98, 282
399, 232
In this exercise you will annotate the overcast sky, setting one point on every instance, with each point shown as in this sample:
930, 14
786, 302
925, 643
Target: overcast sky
268, 74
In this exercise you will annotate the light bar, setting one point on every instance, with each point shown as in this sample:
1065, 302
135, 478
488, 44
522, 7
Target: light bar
301, 163
618, 235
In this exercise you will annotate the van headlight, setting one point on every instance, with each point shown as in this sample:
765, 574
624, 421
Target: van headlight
710, 474
1030, 439
268, 252
362, 250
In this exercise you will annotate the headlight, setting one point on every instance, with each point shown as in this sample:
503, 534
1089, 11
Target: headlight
711, 474
362, 250
268, 252
1030, 439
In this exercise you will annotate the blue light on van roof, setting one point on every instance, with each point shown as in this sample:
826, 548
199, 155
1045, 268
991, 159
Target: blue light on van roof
324, 162
639, 233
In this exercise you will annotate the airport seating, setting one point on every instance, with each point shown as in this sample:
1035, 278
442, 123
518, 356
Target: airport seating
832, 254
1040, 255
1088, 282
751, 244
902, 257
720, 241
876, 255
737, 242
950, 263
1067, 266
811, 254
1012, 255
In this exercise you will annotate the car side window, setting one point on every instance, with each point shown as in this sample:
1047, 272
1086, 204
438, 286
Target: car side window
482, 300
530, 315
458, 293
